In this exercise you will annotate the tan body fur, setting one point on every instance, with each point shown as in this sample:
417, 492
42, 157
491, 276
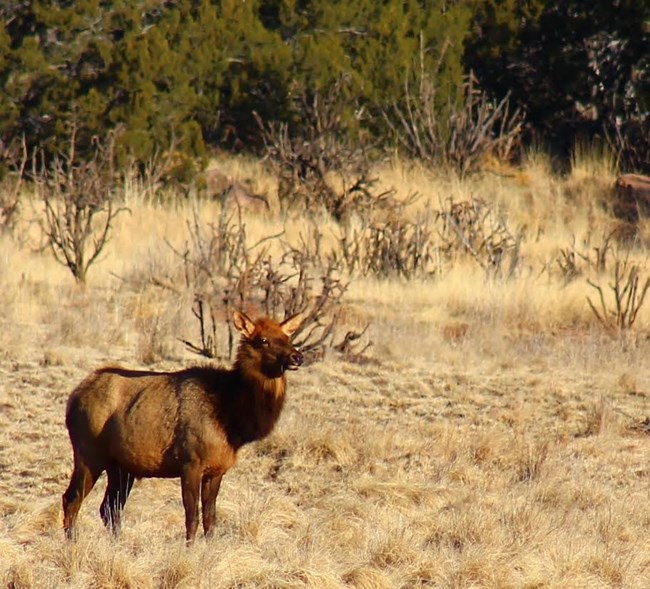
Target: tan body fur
188, 424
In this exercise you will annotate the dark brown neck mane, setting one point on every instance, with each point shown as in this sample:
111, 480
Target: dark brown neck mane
259, 398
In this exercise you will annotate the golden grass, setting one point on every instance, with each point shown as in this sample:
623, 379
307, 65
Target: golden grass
490, 443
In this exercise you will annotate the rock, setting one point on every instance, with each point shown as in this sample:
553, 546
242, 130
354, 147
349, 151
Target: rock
631, 197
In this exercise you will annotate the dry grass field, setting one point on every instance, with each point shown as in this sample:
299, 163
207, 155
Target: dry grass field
495, 435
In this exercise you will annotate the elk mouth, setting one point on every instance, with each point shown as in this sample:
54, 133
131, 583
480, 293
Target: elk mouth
294, 362
282, 367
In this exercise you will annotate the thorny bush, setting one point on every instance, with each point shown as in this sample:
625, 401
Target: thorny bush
80, 203
390, 246
227, 272
477, 229
319, 169
618, 311
474, 129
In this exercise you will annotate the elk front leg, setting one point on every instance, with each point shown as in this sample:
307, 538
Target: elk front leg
209, 491
190, 488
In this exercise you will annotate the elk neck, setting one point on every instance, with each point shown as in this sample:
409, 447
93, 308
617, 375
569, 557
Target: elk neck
260, 400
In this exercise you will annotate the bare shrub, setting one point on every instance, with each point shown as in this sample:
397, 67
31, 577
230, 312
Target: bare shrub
390, 246
152, 175
218, 256
217, 265
164, 174
207, 345
79, 204
617, 308
477, 229
477, 127
627, 295
568, 264
226, 272
574, 261
294, 285
320, 169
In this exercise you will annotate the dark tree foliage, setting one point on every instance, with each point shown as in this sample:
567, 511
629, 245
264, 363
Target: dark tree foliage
376, 45
100, 66
187, 73
190, 72
580, 69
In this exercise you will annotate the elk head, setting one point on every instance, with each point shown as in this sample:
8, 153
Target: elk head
266, 344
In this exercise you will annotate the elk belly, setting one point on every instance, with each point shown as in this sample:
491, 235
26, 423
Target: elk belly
142, 449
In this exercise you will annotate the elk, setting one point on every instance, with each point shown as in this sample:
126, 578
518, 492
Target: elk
188, 424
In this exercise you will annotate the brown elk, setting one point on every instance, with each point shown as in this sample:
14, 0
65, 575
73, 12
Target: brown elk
188, 424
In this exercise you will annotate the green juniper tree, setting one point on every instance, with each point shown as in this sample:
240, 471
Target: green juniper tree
195, 71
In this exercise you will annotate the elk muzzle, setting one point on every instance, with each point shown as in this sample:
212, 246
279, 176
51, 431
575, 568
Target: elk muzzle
295, 360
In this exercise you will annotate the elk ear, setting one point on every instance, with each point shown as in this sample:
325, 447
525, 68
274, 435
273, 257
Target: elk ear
290, 325
243, 324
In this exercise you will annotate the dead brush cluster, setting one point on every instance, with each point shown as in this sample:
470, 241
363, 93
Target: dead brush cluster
353, 228
226, 272
377, 234
608, 261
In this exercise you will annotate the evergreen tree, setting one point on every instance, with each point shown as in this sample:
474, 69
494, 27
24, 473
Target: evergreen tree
151, 93
377, 45
258, 75
196, 70
102, 66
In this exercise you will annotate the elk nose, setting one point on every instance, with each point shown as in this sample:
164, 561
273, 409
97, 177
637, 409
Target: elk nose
296, 358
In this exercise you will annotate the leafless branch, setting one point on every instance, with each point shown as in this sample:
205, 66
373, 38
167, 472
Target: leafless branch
226, 272
79, 204
627, 297
476, 128
474, 227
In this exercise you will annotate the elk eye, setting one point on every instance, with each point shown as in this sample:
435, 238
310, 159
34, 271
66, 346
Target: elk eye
264, 341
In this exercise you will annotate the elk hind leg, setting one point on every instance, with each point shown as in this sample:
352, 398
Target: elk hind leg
83, 479
120, 483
